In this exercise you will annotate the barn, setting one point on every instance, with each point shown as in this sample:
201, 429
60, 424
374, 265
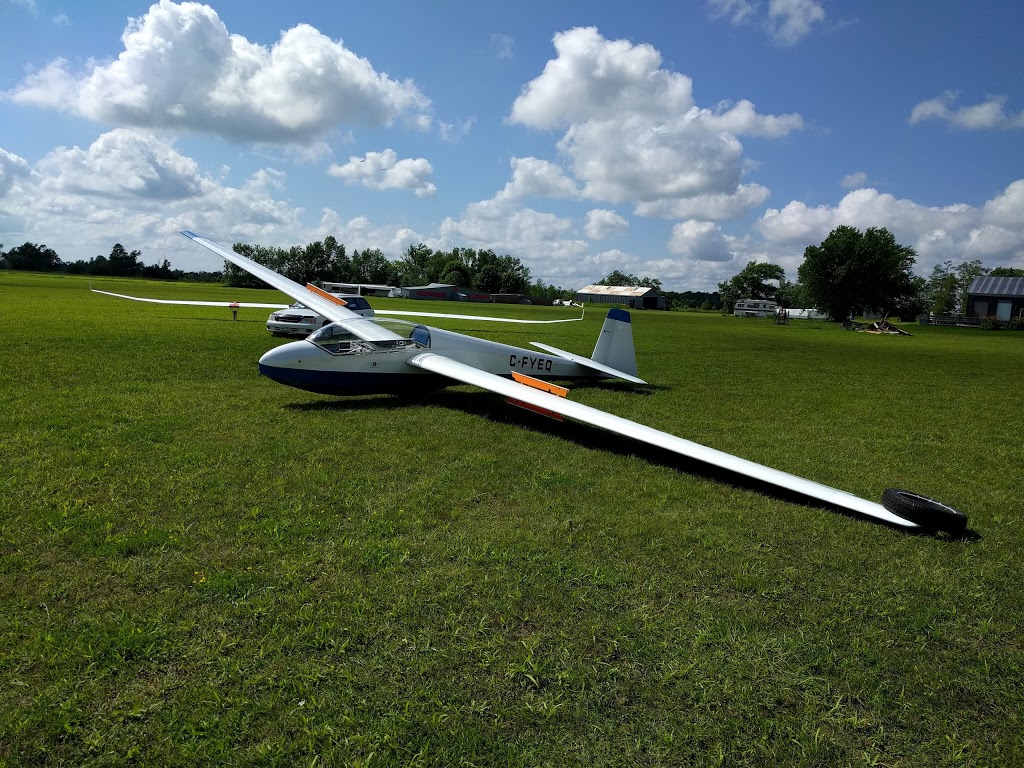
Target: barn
1002, 297
633, 296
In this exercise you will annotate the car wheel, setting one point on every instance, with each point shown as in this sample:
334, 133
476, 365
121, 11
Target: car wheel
926, 512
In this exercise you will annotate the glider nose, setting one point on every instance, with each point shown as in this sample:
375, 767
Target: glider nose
282, 363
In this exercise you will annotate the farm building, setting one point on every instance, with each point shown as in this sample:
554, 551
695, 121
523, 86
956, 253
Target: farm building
633, 296
999, 296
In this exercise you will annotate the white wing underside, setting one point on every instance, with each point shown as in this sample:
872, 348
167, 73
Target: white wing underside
250, 305
453, 369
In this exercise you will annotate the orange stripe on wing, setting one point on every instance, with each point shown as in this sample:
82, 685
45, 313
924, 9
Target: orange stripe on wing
329, 296
543, 386
536, 409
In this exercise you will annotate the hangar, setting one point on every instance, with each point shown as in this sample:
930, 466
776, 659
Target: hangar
1002, 297
633, 296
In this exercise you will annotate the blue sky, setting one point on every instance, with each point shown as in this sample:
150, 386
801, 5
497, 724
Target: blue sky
672, 140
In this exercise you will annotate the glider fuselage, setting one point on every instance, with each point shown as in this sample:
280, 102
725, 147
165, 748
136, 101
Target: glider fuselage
332, 362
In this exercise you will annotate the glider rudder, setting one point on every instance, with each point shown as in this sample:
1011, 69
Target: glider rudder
614, 346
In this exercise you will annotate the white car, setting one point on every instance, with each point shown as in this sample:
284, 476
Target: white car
299, 320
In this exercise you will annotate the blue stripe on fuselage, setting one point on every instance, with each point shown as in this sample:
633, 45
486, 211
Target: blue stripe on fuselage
349, 383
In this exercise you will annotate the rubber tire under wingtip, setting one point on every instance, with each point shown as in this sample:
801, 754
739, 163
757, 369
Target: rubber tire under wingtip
926, 512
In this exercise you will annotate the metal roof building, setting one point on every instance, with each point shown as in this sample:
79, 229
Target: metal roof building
999, 296
435, 291
634, 296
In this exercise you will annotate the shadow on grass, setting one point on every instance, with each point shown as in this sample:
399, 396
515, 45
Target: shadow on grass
488, 406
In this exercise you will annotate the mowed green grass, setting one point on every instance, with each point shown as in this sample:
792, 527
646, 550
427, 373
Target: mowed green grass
198, 565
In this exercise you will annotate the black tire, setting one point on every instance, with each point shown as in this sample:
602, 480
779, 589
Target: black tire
926, 512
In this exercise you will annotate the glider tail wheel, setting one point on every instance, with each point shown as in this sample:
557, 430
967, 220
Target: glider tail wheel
926, 512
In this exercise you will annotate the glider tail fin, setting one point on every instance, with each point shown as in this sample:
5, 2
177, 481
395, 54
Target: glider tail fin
614, 346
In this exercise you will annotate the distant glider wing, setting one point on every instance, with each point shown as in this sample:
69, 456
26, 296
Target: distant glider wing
193, 303
454, 316
467, 374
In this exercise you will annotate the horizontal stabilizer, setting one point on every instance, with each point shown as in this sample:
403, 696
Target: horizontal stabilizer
588, 363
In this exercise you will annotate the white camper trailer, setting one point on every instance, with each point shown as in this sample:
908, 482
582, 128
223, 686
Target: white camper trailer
755, 308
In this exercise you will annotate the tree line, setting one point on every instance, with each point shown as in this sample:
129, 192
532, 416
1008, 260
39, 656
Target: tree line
325, 260
121, 262
328, 261
850, 271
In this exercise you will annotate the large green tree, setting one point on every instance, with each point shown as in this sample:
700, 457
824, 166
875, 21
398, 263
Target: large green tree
754, 281
858, 270
123, 263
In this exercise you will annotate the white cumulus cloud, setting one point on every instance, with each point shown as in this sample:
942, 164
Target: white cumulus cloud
533, 176
182, 70
633, 133
786, 21
854, 180
137, 189
713, 206
122, 164
12, 167
791, 20
700, 241
383, 170
993, 231
602, 223
989, 114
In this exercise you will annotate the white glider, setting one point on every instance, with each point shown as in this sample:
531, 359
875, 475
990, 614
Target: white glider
358, 355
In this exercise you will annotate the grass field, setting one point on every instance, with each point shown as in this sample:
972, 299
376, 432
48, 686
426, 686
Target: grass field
199, 566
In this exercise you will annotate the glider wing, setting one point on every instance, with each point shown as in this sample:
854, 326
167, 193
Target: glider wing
359, 326
467, 374
193, 303
475, 317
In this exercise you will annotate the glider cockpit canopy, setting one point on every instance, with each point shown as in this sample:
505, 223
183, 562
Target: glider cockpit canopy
349, 337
